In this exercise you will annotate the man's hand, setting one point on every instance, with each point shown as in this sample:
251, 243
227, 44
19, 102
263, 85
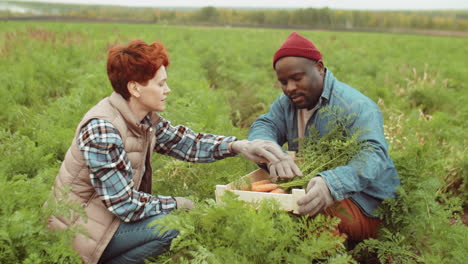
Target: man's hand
264, 151
184, 203
285, 168
317, 198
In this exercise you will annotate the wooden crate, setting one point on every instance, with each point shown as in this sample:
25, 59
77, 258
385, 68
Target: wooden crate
288, 202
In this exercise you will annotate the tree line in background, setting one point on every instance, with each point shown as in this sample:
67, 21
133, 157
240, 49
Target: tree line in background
323, 18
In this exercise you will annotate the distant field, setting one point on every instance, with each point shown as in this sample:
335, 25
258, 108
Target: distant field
61, 19
221, 80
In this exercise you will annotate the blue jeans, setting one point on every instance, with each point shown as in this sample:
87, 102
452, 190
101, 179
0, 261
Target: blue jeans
134, 242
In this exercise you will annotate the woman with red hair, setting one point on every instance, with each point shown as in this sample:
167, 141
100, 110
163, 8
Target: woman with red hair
107, 168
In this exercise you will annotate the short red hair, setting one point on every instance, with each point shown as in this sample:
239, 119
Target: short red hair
137, 62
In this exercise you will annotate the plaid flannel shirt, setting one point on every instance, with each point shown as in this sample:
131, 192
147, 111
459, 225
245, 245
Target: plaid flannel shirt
111, 172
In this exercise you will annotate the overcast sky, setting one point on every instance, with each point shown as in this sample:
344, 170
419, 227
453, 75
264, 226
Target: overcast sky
335, 4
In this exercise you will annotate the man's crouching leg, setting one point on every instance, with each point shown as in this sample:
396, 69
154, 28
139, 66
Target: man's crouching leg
354, 225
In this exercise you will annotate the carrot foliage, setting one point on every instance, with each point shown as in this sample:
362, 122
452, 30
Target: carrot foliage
235, 232
323, 152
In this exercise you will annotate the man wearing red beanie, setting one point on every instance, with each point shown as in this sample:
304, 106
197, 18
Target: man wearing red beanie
308, 86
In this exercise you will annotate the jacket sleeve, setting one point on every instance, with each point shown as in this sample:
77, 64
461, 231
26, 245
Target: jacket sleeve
369, 164
272, 125
182, 143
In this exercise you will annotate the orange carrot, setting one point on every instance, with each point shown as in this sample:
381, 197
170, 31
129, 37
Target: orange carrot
264, 187
261, 182
278, 190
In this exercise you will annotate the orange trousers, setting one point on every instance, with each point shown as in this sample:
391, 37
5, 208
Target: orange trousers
354, 224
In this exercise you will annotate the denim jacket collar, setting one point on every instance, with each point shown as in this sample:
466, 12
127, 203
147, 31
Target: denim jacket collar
327, 86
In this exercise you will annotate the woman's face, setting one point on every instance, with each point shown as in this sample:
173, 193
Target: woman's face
153, 95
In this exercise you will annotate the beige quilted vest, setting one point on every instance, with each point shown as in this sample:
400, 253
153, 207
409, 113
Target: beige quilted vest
138, 141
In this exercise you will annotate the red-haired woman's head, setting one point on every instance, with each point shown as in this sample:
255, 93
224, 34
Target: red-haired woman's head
137, 62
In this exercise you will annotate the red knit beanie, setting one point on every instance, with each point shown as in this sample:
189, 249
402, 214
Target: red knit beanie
297, 46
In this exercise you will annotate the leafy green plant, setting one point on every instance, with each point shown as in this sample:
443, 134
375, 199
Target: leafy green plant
422, 225
52, 73
236, 232
24, 237
319, 153
393, 250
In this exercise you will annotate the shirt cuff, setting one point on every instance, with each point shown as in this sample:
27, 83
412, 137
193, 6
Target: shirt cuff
334, 184
224, 149
168, 203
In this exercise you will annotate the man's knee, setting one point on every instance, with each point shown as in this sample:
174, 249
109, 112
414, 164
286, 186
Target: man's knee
354, 224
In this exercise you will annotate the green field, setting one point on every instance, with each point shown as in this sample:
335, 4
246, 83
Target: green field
221, 80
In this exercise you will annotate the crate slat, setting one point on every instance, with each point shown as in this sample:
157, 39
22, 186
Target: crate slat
287, 202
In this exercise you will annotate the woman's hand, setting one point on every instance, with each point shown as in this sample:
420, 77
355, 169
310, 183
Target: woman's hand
258, 151
184, 203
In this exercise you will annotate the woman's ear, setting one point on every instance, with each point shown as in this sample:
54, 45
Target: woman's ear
133, 89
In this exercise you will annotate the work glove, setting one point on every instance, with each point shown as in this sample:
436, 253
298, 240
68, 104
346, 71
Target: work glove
317, 198
258, 150
264, 151
284, 168
184, 203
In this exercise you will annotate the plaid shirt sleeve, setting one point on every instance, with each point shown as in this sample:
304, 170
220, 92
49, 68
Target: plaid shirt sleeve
112, 177
182, 143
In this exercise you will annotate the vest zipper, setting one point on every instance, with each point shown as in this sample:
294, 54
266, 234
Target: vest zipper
84, 205
147, 135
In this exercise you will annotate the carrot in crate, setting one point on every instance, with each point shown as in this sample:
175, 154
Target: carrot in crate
264, 187
261, 182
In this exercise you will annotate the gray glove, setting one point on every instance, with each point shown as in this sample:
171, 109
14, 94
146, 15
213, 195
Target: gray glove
258, 150
184, 203
264, 151
284, 168
317, 198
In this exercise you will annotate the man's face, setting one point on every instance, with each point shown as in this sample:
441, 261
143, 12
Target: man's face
301, 80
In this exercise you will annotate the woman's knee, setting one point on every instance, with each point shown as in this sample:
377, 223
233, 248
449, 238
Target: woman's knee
161, 233
169, 235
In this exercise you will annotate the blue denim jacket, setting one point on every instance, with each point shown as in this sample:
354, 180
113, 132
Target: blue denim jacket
367, 181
